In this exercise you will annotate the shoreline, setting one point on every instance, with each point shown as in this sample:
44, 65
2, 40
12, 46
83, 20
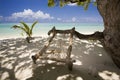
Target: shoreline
42, 29
16, 37
34, 35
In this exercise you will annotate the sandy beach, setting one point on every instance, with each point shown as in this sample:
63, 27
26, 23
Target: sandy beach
92, 61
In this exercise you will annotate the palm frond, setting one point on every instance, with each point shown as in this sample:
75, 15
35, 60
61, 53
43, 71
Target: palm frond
18, 27
21, 28
25, 26
33, 26
22, 33
15, 26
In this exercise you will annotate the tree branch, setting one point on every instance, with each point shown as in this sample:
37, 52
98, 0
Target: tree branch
95, 36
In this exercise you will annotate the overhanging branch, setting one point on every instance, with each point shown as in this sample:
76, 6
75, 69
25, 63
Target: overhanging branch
95, 36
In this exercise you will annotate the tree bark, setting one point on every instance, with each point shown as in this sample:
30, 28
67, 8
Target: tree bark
109, 10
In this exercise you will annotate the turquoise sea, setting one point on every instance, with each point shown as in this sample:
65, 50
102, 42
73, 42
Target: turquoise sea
41, 29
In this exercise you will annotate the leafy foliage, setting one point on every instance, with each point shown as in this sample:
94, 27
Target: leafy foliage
84, 3
51, 3
61, 2
25, 28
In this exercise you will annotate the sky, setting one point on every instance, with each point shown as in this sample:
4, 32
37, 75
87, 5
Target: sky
31, 10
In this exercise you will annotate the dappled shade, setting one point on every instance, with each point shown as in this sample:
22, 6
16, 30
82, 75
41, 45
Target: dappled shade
92, 62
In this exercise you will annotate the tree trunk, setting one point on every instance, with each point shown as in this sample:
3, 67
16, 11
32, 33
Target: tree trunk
109, 10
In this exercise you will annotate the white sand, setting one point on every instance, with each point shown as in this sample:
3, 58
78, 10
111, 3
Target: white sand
92, 62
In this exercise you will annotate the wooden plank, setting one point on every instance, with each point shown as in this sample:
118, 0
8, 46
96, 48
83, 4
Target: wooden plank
43, 50
70, 43
53, 59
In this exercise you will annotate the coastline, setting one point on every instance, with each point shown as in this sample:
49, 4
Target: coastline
92, 61
41, 29
41, 34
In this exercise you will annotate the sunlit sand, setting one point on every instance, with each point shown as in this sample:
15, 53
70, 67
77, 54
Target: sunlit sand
92, 61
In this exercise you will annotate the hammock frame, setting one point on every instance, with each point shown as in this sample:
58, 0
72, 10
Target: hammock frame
68, 60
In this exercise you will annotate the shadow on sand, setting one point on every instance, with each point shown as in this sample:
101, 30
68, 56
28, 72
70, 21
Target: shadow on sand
60, 72
92, 62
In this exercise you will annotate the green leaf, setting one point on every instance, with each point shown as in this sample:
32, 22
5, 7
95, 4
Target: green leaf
88, 1
26, 27
22, 33
80, 3
84, 3
95, 3
86, 6
51, 3
33, 25
61, 3
19, 27
15, 26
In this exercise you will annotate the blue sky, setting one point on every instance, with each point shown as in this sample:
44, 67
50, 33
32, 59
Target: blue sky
31, 10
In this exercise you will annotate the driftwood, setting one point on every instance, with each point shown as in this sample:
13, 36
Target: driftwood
70, 43
43, 50
72, 32
95, 36
53, 59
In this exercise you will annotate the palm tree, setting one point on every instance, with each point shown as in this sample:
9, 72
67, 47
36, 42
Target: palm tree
26, 29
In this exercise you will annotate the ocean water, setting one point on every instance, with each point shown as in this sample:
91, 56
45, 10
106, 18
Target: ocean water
41, 29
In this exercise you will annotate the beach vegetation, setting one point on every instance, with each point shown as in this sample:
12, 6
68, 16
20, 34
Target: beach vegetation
28, 30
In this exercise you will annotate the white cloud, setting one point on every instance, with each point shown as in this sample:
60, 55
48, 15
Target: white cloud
1, 17
59, 19
29, 15
83, 19
90, 19
74, 19
66, 21
72, 4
